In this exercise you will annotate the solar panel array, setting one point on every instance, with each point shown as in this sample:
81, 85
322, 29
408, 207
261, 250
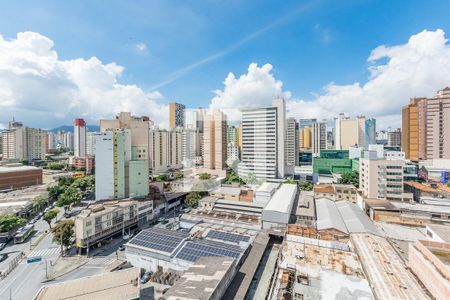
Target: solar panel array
227, 236
159, 239
192, 250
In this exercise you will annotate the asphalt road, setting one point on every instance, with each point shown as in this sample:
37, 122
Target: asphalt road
26, 279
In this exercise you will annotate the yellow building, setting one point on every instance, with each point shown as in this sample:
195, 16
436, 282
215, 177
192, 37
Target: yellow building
305, 138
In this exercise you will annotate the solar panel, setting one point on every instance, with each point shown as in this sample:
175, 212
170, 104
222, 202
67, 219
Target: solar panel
192, 250
159, 239
227, 236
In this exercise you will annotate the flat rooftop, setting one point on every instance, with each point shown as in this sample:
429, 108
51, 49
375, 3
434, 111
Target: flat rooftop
442, 231
201, 280
267, 187
118, 285
18, 169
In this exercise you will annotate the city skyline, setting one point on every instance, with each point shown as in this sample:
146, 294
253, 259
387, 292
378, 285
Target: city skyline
326, 66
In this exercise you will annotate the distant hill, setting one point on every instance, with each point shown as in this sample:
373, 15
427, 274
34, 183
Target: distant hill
68, 128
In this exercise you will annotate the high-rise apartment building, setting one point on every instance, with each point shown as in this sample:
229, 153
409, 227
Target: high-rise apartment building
305, 138
215, 140
232, 144
176, 115
438, 125
166, 150
90, 142
413, 129
349, 132
139, 131
381, 178
291, 143
191, 151
319, 137
79, 137
23, 143
302, 123
426, 127
394, 138
263, 134
118, 172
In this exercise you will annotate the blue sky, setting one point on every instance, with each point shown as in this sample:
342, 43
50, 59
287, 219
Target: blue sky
308, 43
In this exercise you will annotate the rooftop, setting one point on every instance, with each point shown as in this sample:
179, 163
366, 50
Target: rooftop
324, 188
108, 286
228, 190
305, 205
282, 200
201, 280
442, 231
384, 269
18, 169
267, 187
344, 216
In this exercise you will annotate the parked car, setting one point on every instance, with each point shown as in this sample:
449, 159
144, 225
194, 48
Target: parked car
2, 246
5, 256
146, 277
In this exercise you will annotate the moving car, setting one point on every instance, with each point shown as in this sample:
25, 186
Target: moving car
2, 246
121, 247
3, 257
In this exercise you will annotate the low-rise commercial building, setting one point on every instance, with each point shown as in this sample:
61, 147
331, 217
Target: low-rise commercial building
102, 220
336, 192
16, 176
278, 210
208, 278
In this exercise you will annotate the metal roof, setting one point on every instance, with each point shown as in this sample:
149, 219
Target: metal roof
283, 199
343, 216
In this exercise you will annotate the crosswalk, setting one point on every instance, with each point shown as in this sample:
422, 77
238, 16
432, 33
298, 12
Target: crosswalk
44, 252
102, 261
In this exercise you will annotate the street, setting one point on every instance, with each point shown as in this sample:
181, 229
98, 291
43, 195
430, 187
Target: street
26, 279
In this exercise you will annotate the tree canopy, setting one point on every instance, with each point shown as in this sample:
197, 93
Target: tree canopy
305, 186
193, 198
39, 203
350, 178
50, 215
204, 176
71, 195
63, 233
10, 222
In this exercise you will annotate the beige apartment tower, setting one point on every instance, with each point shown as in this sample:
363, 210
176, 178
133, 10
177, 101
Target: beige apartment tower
139, 129
215, 140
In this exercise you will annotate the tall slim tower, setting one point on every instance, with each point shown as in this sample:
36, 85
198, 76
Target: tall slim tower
215, 140
176, 115
79, 133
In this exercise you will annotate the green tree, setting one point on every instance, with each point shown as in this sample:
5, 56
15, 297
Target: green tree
65, 181
193, 198
63, 233
161, 177
179, 175
85, 183
70, 196
54, 192
350, 178
290, 181
10, 222
305, 186
49, 216
204, 176
25, 162
39, 203
233, 177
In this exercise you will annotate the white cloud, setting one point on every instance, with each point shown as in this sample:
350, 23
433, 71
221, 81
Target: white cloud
419, 67
141, 48
41, 90
256, 88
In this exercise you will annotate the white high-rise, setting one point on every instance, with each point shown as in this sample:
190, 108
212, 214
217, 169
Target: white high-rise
319, 137
291, 143
263, 134
79, 138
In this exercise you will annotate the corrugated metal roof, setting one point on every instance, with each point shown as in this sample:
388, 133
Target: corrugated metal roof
328, 215
343, 216
283, 199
